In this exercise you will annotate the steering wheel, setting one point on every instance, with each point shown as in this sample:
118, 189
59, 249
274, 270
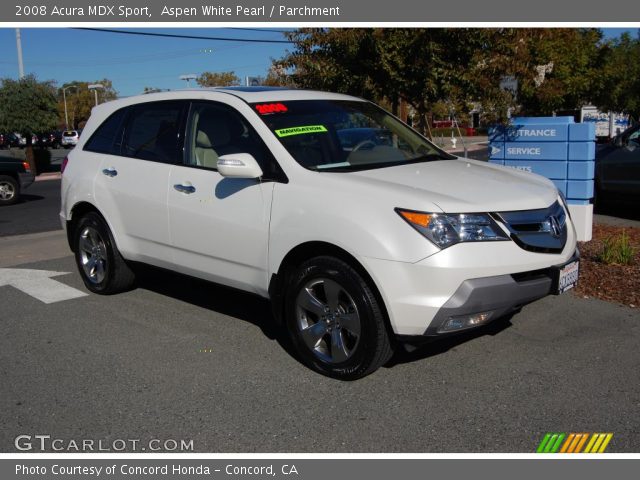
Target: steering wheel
362, 144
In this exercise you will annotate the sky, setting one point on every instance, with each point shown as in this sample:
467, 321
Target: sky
134, 62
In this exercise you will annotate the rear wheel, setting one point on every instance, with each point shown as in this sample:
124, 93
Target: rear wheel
99, 262
9, 190
335, 320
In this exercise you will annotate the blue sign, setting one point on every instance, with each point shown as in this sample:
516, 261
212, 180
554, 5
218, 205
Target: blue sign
554, 147
535, 151
581, 170
537, 133
582, 151
557, 169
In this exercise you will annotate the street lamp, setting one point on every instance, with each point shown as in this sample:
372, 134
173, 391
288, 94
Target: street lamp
64, 97
95, 87
188, 78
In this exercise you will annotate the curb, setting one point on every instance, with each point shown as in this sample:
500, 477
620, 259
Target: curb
48, 176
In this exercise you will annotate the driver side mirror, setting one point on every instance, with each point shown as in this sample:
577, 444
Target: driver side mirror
239, 165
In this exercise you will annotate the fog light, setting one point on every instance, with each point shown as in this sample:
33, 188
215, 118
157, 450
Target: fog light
465, 321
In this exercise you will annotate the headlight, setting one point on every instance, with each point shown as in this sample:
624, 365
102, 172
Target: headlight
445, 229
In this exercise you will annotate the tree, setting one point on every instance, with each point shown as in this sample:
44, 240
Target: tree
421, 66
620, 88
151, 90
28, 107
81, 100
277, 76
556, 69
217, 79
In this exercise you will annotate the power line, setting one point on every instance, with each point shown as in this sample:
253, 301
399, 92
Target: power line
191, 37
260, 29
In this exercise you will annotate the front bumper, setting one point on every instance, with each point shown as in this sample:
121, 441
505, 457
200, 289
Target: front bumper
460, 279
500, 295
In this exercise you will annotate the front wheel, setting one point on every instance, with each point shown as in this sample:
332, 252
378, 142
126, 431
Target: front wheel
99, 262
335, 320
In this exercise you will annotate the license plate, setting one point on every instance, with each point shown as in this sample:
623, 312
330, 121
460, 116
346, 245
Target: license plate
568, 276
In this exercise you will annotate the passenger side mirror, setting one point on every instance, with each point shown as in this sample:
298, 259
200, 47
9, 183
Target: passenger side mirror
618, 141
239, 165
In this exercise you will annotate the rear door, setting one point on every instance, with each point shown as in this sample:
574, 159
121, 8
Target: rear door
131, 186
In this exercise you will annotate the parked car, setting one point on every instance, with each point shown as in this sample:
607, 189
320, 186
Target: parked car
22, 140
15, 176
69, 138
10, 140
358, 249
617, 169
50, 139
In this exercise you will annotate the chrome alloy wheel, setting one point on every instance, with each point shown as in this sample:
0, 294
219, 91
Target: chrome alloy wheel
328, 320
93, 255
7, 191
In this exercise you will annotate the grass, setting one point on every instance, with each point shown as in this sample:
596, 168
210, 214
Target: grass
617, 250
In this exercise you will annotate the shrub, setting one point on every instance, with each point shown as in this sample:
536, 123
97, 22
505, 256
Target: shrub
617, 250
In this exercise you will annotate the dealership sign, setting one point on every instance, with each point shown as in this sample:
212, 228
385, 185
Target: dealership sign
556, 148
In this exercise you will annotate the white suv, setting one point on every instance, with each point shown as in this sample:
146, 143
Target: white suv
69, 138
362, 233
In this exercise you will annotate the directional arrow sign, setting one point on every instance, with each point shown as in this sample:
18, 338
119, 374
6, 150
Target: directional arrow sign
38, 284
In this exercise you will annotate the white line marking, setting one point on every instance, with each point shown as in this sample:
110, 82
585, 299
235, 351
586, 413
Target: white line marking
39, 285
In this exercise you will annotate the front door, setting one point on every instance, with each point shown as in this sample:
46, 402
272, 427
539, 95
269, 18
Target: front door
220, 226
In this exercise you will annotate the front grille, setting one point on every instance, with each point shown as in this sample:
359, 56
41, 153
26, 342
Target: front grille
543, 230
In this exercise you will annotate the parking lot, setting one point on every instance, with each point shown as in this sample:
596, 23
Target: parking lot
183, 359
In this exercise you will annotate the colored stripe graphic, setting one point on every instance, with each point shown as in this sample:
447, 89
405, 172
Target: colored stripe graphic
574, 443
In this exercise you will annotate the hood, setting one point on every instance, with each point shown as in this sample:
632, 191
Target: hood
463, 185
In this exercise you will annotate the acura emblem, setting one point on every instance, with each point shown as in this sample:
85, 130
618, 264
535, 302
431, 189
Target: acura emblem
554, 225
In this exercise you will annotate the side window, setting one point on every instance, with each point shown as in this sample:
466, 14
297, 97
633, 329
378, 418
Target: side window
215, 130
108, 136
152, 132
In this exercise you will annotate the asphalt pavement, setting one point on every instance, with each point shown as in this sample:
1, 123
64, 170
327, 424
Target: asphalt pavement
182, 359
36, 211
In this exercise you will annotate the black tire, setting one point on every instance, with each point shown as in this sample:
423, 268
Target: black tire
367, 351
111, 274
9, 190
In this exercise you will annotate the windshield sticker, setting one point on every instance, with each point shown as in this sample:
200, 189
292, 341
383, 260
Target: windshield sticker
286, 132
266, 108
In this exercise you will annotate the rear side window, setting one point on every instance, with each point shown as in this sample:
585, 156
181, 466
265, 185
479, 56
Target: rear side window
106, 139
152, 132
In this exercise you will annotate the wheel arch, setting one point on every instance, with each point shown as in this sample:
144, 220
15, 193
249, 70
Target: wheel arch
78, 211
280, 280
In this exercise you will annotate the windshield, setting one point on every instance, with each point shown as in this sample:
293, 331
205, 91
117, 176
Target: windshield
338, 135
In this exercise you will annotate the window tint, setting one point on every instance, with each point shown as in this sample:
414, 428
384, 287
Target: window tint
152, 132
103, 139
216, 130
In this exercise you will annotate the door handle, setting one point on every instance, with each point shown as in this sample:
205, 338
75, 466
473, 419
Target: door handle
110, 172
184, 188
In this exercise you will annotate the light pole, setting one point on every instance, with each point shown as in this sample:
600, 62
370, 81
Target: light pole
19, 47
95, 87
64, 97
188, 78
